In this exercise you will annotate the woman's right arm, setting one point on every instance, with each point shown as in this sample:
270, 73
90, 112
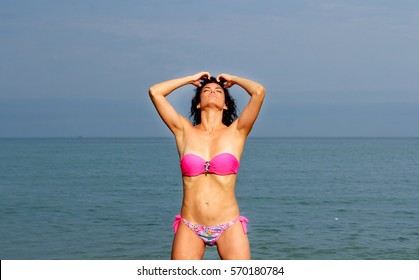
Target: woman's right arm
158, 94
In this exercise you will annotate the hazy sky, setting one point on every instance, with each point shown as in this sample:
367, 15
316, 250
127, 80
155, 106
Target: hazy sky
331, 68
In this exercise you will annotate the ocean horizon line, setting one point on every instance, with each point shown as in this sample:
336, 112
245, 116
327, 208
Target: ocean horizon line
171, 137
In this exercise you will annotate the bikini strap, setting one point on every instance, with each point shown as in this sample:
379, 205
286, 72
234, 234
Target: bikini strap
243, 220
176, 222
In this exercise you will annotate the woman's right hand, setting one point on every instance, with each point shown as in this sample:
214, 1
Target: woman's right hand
199, 76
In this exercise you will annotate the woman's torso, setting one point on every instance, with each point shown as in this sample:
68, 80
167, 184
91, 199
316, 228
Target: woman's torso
209, 199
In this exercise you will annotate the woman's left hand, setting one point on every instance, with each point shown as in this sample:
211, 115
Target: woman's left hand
227, 78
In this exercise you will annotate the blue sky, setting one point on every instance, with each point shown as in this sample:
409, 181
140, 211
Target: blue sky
331, 68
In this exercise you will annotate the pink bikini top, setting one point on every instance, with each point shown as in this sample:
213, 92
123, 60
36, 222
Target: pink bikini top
222, 164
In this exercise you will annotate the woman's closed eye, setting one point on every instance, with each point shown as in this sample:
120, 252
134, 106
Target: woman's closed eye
207, 90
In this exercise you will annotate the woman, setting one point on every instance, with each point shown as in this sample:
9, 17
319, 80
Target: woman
209, 151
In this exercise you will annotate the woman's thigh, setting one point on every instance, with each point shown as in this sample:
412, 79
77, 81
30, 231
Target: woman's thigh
187, 245
233, 244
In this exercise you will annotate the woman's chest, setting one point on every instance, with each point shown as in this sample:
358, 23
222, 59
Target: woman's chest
208, 145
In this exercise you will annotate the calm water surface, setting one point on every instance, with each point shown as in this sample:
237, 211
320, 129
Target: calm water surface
306, 198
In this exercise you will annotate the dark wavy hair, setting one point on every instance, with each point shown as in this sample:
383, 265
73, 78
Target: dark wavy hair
229, 115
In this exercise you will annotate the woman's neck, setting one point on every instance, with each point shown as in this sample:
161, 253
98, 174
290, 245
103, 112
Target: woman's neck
211, 121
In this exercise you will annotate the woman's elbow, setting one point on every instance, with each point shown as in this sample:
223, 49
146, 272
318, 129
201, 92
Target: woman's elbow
261, 91
152, 91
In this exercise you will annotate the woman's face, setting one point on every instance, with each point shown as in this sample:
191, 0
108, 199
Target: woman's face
212, 94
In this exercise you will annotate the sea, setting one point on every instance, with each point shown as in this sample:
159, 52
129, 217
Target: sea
116, 198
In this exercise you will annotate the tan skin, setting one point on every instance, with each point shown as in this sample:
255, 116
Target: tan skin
209, 199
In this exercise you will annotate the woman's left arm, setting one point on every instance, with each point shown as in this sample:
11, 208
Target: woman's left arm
251, 111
